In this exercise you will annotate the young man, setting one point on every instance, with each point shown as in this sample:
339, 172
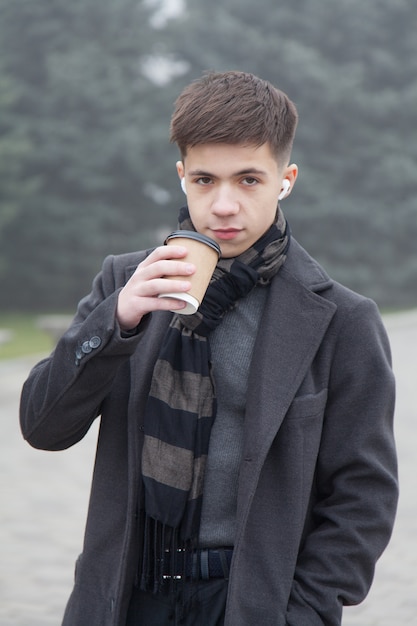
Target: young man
246, 468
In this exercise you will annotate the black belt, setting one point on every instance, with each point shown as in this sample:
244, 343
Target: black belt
198, 564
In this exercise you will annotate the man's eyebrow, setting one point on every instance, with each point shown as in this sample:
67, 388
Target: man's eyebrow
244, 172
251, 170
199, 173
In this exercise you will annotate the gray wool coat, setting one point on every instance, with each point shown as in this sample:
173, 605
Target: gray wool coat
318, 483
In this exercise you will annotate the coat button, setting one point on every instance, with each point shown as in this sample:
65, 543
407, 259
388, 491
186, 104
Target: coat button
79, 354
95, 342
86, 348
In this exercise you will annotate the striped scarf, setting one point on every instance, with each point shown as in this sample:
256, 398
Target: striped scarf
181, 406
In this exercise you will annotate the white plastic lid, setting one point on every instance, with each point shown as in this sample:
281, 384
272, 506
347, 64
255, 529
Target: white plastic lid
192, 303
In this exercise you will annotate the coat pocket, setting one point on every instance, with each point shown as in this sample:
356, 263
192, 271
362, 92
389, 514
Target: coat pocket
307, 406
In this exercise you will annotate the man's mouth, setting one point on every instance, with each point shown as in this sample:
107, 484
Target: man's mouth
226, 233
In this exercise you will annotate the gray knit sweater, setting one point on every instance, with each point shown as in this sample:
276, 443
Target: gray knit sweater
231, 345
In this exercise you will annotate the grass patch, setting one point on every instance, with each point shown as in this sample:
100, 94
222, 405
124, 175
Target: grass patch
25, 336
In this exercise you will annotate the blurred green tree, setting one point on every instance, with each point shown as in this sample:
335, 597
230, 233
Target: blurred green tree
80, 121
86, 93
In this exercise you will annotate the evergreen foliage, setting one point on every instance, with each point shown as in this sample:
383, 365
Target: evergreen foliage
86, 168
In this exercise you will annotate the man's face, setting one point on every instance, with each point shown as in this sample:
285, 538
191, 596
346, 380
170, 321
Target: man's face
232, 192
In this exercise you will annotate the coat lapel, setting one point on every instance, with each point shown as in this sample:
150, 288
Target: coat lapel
291, 330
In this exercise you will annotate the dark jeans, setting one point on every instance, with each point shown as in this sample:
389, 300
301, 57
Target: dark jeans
199, 603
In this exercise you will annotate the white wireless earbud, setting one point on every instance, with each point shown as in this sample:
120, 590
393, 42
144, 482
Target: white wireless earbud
286, 186
183, 187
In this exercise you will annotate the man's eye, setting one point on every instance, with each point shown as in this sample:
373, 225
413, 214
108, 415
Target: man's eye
203, 180
250, 181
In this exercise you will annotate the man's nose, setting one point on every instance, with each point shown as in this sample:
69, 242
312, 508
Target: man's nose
225, 201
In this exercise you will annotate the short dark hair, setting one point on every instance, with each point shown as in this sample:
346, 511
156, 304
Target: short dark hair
235, 108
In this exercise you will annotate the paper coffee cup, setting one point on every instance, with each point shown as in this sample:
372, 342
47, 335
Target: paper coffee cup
202, 252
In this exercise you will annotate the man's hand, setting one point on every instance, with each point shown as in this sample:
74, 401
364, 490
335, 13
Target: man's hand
140, 294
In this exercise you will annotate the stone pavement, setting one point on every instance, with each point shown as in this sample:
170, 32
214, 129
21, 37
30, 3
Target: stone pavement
44, 499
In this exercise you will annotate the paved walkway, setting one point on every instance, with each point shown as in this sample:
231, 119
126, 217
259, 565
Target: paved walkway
44, 502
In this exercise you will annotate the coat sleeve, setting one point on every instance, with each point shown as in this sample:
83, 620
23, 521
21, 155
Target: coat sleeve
355, 489
63, 393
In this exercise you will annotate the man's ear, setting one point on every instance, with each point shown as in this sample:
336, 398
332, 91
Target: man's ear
285, 189
290, 174
180, 169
